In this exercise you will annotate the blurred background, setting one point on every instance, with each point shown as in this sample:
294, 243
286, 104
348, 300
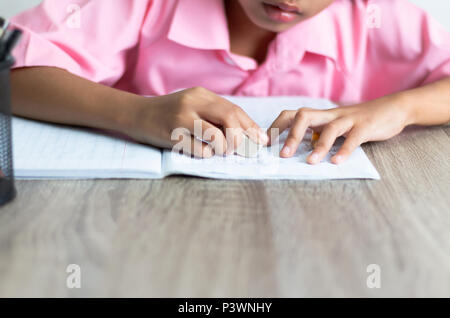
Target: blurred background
9, 8
440, 9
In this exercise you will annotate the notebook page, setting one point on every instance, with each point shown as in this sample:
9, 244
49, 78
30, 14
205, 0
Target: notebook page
46, 151
268, 164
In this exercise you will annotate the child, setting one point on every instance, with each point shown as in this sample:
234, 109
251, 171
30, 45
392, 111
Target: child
90, 62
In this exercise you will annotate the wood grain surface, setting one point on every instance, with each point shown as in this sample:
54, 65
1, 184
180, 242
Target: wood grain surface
191, 237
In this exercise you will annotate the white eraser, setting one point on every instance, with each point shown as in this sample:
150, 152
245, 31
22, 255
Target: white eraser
248, 148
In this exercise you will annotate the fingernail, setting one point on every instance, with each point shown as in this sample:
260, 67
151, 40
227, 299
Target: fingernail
286, 151
338, 159
314, 158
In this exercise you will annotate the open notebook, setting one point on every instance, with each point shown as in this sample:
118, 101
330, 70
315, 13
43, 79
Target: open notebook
45, 151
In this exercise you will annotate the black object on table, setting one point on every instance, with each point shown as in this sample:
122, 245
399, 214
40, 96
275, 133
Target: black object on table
8, 39
7, 189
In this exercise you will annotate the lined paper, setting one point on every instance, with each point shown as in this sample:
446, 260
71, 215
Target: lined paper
268, 164
45, 151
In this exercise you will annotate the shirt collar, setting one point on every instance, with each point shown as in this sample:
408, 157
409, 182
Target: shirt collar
203, 24
200, 24
316, 35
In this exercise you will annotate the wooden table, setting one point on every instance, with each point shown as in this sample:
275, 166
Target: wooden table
194, 237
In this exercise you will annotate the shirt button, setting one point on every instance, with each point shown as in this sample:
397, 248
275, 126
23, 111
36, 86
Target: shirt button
229, 61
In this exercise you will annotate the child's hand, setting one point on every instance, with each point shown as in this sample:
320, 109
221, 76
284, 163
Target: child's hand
372, 121
157, 118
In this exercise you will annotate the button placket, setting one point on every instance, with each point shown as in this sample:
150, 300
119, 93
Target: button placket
284, 56
229, 60
283, 61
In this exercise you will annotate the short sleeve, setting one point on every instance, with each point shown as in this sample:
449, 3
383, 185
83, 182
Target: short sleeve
89, 38
437, 57
408, 49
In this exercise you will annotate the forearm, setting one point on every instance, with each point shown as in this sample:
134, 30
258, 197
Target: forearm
428, 105
55, 95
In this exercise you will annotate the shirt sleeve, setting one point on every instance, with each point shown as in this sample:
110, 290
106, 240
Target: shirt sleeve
436, 59
89, 38
409, 49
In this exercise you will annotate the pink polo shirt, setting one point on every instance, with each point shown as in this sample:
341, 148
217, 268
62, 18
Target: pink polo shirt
352, 51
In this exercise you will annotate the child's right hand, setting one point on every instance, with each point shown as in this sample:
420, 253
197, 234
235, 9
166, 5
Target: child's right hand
156, 118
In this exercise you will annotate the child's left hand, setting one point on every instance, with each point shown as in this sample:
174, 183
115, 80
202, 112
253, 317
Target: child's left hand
376, 120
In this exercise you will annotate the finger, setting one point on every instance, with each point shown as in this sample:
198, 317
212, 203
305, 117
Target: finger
234, 137
217, 110
252, 130
296, 134
226, 115
190, 145
207, 132
286, 118
327, 138
323, 117
234, 133
280, 124
354, 139
214, 136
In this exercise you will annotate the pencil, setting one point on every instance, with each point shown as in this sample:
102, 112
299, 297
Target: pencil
314, 139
